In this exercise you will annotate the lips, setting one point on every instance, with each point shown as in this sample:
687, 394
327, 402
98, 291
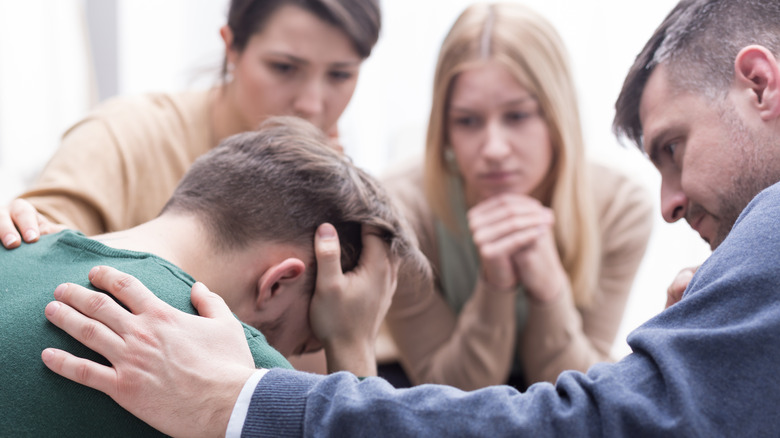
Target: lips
497, 177
698, 225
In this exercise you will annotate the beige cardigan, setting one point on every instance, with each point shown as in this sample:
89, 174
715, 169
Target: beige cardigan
474, 349
117, 167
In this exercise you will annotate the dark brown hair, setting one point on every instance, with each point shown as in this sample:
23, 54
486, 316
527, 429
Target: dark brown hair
279, 184
698, 42
360, 20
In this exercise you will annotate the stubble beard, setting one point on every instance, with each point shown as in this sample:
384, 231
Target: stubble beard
755, 170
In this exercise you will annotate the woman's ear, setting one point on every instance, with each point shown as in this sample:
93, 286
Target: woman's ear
227, 37
756, 70
278, 278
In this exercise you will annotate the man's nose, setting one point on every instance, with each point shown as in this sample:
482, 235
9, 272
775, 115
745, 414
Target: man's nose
674, 202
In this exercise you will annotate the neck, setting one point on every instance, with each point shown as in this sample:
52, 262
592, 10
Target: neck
225, 118
182, 240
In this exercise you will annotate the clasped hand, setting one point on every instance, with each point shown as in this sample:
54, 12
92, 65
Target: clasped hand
514, 237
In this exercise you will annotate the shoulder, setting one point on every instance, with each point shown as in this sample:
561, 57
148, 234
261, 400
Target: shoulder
264, 354
404, 183
147, 118
624, 206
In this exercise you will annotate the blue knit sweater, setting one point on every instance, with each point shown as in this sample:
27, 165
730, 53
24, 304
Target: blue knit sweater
708, 366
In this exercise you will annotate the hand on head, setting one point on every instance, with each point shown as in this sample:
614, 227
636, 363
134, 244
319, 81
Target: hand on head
514, 237
348, 308
160, 356
21, 220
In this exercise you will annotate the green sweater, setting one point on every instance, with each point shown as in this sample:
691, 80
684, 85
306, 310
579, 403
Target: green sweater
33, 400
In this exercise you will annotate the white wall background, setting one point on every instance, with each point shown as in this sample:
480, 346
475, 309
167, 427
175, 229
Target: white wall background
166, 45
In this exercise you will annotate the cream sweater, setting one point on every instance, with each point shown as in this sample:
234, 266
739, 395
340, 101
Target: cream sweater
475, 348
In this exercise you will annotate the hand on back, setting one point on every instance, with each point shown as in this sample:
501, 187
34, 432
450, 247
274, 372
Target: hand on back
21, 220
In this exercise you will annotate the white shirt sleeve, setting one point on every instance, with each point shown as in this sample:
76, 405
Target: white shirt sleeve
237, 418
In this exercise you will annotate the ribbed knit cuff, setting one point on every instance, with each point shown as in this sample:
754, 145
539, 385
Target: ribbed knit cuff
278, 405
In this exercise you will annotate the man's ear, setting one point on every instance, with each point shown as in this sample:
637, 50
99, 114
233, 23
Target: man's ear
756, 69
278, 278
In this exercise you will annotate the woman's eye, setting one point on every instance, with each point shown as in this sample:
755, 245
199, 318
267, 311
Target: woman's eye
466, 122
516, 116
283, 68
670, 148
340, 75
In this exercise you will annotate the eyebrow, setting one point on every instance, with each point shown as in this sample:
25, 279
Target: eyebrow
513, 102
652, 153
297, 60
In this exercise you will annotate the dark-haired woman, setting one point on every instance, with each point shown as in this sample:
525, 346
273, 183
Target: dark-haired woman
118, 166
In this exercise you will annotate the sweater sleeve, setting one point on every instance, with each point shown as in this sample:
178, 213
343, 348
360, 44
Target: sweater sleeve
559, 336
83, 186
471, 350
117, 168
704, 367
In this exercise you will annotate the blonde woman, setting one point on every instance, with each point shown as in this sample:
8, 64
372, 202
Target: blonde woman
534, 248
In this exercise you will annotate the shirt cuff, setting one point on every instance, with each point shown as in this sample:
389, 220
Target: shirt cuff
237, 418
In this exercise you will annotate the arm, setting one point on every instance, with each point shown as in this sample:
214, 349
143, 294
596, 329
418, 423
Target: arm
83, 184
469, 351
558, 336
695, 370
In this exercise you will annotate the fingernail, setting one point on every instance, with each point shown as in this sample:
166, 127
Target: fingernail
52, 308
9, 239
59, 290
93, 272
30, 235
326, 231
47, 355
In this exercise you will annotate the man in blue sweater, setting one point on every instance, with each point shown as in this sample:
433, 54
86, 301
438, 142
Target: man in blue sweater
703, 99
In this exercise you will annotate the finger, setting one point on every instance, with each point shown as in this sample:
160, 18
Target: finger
501, 212
328, 254
81, 370
208, 303
126, 288
92, 333
48, 227
512, 243
96, 305
25, 216
8, 233
376, 252
506, 200
508, 226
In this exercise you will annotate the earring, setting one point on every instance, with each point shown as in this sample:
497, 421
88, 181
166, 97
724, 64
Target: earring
229, 72
450, 161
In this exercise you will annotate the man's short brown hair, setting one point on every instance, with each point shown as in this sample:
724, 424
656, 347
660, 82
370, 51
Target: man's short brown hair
279, 184
698, 43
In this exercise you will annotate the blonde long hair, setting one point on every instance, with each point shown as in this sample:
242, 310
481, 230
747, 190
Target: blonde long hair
531, 50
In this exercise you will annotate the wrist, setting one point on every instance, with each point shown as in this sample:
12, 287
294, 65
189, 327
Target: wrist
356, 356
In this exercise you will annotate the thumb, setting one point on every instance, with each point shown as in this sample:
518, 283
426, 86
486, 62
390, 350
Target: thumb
208, 303
328, 254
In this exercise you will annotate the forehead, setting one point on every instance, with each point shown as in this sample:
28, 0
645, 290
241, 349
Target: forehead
297, 31
664, 110
490, 81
